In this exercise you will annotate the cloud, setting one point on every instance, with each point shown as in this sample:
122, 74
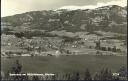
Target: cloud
11, 7
99, 4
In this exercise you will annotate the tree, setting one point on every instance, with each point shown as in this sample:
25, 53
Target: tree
17, 67
68, 76
123, 71
7, 74
104, 48
97, 45
96, 77
87, 75
98, 53
101, 74
109, 49
2, 75
114, 49
75, 76
105, 74
19, 35
53, 77
110, 75
35, 78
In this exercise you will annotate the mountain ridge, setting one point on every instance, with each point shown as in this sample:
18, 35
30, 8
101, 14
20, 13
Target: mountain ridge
104, 18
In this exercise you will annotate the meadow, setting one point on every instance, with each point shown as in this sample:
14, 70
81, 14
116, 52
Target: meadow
65, 64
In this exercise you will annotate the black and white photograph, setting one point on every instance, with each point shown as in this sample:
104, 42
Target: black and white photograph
64, 40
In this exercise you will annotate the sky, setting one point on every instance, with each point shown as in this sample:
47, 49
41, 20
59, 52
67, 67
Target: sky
11, 7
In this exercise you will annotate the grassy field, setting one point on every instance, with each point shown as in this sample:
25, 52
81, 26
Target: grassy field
52, 64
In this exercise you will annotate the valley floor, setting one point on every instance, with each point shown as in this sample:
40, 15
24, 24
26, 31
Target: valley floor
52, 64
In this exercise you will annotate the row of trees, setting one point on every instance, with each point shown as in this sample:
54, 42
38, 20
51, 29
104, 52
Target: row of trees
113, 49
99, 47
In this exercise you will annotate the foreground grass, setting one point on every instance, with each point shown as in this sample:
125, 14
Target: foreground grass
63, 64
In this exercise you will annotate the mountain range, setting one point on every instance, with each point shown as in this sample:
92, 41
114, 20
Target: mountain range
111, 18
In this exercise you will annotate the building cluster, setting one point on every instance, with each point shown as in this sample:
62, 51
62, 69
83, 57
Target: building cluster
43, 46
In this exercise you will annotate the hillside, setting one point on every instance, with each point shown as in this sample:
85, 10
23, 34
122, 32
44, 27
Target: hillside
108, 18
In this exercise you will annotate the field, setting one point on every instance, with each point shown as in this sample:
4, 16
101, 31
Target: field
73, 63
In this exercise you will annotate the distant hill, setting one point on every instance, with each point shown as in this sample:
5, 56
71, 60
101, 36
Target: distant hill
111, 18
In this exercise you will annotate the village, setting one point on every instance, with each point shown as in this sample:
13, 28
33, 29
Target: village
55, 46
